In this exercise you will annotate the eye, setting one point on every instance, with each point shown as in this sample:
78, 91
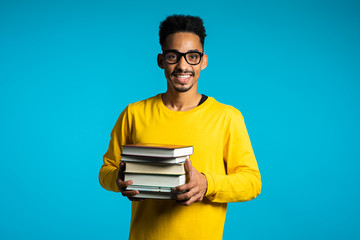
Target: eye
193, 57
171, 56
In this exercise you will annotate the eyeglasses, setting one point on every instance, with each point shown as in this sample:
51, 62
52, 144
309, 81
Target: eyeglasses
191, 57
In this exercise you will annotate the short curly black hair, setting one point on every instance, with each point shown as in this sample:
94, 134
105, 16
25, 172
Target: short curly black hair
181, 23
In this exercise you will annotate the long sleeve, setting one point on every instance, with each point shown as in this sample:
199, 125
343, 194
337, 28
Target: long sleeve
120, 135
222, 151
242, 179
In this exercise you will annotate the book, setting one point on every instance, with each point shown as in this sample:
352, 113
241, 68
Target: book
154, 195
155, 169
154, 180
157, 150
152, 192
157, 160
150, 188
151, 168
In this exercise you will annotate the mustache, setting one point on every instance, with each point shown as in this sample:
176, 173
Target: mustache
183, 72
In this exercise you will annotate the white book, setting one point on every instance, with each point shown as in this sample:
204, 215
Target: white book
157, 160
169, 181
157, 150
153, 189
152, 192
152, 195
153, 168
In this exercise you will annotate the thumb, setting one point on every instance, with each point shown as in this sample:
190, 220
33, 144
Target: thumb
121, 171
188, 166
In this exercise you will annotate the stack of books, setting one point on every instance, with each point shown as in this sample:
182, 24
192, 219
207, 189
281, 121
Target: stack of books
155, 168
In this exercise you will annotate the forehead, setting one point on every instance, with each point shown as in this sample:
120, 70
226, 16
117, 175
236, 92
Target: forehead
183, 42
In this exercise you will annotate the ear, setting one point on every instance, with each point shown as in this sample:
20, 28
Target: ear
160, 61
204, 62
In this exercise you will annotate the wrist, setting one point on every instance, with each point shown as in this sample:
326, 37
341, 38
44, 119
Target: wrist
204, 183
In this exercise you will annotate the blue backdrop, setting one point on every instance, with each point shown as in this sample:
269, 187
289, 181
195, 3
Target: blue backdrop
68, 68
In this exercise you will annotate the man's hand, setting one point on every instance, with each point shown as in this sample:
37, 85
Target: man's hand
195, 189
123, 184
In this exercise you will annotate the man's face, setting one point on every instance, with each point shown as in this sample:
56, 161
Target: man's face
182, 76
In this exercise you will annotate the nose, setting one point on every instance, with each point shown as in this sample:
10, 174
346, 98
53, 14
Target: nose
182, 64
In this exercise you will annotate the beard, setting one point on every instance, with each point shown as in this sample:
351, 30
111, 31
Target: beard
183, 89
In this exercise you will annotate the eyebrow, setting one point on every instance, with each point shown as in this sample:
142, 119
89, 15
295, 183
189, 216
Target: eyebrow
192, 50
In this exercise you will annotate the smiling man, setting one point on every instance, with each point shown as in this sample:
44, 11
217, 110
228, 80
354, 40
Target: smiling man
223, 167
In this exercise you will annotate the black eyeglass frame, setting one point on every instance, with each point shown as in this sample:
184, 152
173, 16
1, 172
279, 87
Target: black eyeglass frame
182, 55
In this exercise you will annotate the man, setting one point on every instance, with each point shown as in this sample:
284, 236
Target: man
223, 167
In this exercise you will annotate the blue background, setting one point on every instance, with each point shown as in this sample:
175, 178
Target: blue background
68, 68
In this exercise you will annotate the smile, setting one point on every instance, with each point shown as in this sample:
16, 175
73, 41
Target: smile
183, 76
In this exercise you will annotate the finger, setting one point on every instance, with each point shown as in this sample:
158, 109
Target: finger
123, 184
187, 202
185, 196
190, 201
121, 171
188, 166
122, 166
130, 193
188, 170
184, 187
128, 182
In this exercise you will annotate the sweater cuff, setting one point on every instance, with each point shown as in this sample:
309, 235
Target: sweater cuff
116, 187
210, 184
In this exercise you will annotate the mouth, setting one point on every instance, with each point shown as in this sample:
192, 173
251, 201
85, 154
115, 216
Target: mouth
184, 77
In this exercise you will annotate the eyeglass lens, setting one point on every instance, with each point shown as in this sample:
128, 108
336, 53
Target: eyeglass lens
192, 58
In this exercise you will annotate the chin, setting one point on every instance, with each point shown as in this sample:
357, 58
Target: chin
182, 88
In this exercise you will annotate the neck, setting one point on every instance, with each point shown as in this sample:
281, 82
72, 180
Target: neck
181, 101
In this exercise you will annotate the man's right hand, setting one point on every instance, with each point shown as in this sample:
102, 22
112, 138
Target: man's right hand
123, 184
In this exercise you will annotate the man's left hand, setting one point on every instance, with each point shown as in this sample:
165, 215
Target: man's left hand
194, 189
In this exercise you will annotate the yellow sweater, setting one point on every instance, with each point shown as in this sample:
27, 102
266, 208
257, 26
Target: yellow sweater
222, 151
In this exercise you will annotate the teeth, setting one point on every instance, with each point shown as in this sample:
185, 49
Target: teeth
183, 76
